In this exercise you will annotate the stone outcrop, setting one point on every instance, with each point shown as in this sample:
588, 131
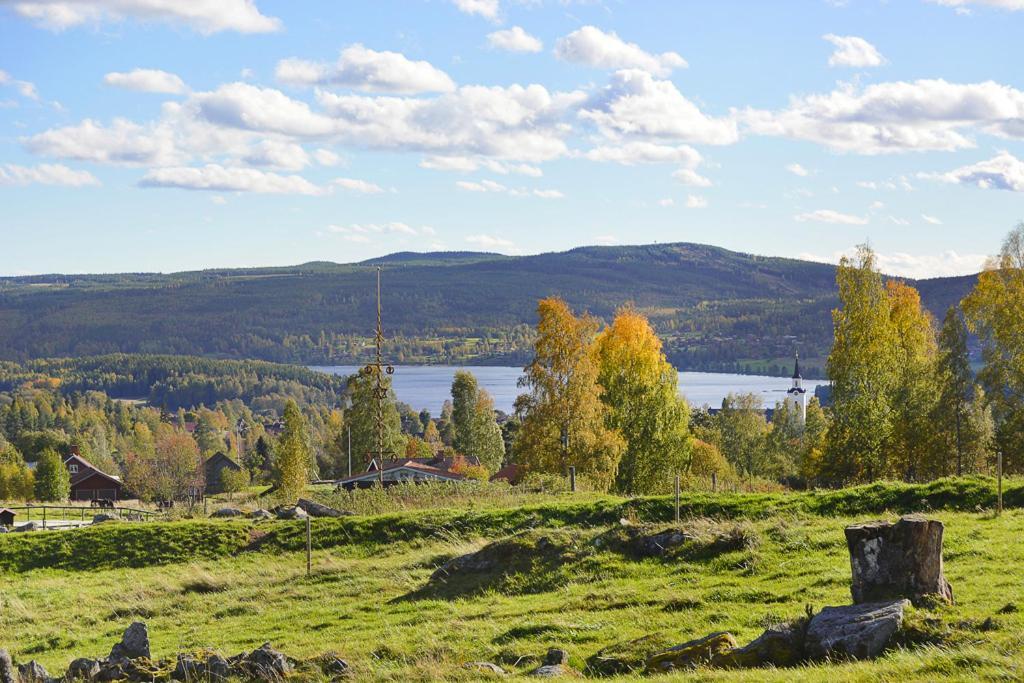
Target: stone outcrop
707, 650
853, 632
315, 509
485, 667
291, 513
134, 643
627, 657
102, 517
227, 512
8, 674
33, 672
261, 514
780, 645
901, 560
83, 669
556, 664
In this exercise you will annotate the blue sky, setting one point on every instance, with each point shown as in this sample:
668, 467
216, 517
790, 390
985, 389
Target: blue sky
136, 135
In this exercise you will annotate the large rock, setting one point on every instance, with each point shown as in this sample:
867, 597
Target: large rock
556, 665
315, 509
901, 560
134, 643
102, 517
707, 650
83, 669
485, 667
262, 664
291, 513
227, 512
8, 674
853, 632
627, 657
33, 672
261, 514
779, 645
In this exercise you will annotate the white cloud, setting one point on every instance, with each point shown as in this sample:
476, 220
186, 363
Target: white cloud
465, 164
204, 16
122, 142
488, 9
592, 46
361, 232
361, 68
916, 266
514, 39
897, 221
853, 51
221, 179
278, 154
326, 157
641, 152
491, 242
606, 240
897, 117
218, 199
45, 174
147, 80
830, 216
482, 186
962, 5
668, 201
356, 185
695, 202
638, 105
1002, 172
690, 177
930, 219
489, 186
265, 110
548, 194
25, 88
797, 169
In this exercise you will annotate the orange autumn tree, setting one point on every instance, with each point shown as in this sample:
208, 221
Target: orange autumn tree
564, 397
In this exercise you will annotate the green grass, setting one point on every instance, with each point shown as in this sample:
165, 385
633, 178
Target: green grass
224, 586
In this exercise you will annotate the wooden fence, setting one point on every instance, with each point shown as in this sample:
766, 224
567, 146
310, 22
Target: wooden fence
66, 516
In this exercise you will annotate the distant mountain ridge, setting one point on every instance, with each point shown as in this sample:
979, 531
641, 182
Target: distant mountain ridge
716, 309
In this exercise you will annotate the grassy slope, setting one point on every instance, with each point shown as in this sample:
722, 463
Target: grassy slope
357, 600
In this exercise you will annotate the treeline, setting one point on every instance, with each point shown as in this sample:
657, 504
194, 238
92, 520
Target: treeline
173, 382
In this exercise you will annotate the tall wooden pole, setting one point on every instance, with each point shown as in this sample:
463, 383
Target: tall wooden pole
309, 547
999, 485
677, 499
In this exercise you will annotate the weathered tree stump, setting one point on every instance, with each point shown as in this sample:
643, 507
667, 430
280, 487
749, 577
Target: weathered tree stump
901, 560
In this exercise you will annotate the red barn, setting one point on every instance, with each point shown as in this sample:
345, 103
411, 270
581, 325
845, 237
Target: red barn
88, 482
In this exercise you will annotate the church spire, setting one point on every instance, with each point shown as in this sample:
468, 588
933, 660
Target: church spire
796, 368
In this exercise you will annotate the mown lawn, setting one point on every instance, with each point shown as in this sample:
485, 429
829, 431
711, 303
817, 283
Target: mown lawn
363, 601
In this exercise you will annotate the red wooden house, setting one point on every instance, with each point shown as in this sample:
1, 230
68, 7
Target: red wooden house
88, 482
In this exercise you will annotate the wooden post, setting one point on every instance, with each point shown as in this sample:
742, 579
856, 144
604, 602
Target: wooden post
572, 479
677, 499
350, 451
44, 514
714, 482
309, 547
999, 485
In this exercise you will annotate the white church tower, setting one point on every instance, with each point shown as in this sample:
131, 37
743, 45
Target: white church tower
796, 396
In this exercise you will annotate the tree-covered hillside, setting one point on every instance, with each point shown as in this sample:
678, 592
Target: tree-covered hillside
713, 307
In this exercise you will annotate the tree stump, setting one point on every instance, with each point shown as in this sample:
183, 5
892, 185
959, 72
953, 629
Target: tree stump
901, 560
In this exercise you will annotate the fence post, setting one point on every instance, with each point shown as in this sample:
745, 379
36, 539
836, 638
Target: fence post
999, 468
309, 547
677, 499
714, 482
572, 479
44, 516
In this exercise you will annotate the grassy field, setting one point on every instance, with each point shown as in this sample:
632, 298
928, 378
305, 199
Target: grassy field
231, 585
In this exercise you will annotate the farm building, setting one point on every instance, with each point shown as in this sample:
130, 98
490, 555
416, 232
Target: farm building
401, 470
88, 482
7, 517
215, 466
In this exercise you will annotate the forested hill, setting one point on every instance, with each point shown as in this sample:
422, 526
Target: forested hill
716, 309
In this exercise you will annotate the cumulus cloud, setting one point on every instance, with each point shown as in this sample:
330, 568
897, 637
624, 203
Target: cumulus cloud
356, 185
326, 157
930, 219
592, 46
830, 216
265, 110
464, 164
204, 16
696, 202
26, 89
917, 266
278, 154
548, 194
514, 39
488, 9
1002, 172
899, 116
853, 51
690, 177
45, 174
636, 104
490, 186
361, 232
147, 80
797, 169
482, 186
218, 178
641, 152
122, 142
1011, 5
361, 68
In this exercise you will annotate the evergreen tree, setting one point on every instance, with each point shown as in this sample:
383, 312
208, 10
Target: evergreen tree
640, 389
362, 418
464, 396
53, 482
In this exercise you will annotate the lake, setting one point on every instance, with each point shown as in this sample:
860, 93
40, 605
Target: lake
429, 386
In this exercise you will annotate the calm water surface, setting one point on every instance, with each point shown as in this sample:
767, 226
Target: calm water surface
429, 386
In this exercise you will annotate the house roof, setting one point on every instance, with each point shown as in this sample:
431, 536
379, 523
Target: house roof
219, 455
88, 471
437, 461
2, 510
406, 464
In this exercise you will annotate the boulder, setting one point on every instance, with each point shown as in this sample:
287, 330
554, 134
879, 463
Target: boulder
227, 512
780, 645
188, 668
30, 526
291, 513
853, 632
8, 674
264, 664
4, 530
217, 668
83, 669
556, 664
102, 517
261, 514
901, 560
315, 509
485, 667
134, 643
33, 672
332, 665
707, 650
